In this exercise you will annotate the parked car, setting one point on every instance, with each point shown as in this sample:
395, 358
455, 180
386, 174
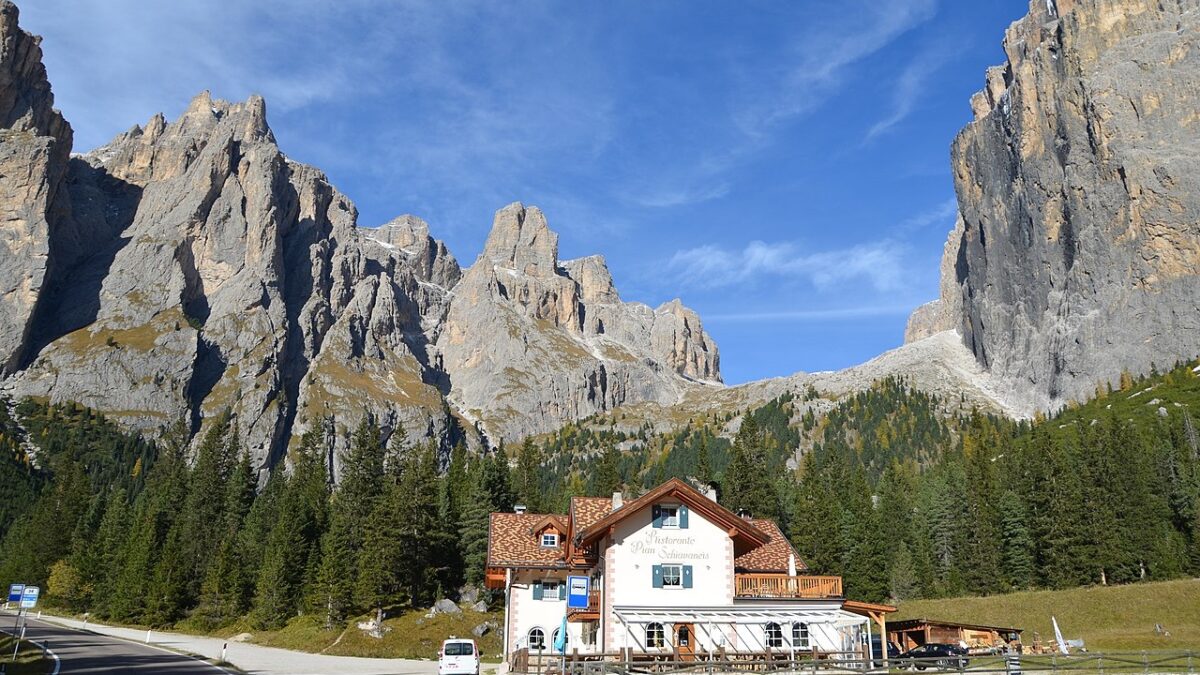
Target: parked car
893, 651
458, 657
934, 655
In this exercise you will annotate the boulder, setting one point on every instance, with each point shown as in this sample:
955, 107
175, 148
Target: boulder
445, 606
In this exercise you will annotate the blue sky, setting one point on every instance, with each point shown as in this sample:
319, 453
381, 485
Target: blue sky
783, 167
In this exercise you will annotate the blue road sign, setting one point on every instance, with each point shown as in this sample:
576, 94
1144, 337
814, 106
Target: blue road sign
29, 597
14, 592
577, 592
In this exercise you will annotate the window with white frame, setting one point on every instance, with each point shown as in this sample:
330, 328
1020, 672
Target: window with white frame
800, 636
655, 636
537, 640
774, 635
554, 640
670, 515
549, 539
550, 589
672, 576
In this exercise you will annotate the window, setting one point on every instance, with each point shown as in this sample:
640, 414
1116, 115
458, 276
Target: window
683, 637
774, 636
550, 590
670, 516
800, 636
672, 576
549, 539
590, 629
655, 636
537, 640
459, 649
554, 641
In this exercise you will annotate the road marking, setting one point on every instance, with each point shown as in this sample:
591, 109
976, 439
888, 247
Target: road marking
45, 649
58, 663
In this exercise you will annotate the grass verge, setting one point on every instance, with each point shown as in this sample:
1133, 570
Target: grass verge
29, 658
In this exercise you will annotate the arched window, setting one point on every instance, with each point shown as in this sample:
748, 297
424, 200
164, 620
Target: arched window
800, 636
774, 635
537, 640
655, 636
683, 636
554, 641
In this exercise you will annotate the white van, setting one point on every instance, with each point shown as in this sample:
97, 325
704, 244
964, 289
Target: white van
458, 657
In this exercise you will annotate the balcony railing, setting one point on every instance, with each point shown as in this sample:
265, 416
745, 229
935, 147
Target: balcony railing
784, 586
593, 604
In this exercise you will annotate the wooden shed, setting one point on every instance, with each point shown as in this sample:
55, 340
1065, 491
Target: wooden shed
978, 638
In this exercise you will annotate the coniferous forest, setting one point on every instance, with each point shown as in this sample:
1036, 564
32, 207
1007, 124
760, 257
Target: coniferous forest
902, 494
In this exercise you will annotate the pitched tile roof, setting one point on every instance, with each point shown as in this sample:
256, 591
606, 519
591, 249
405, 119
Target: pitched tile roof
513, 540
585, 511
512, 543
772, 557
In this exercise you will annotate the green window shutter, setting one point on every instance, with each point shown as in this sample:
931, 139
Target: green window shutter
687, 576
537, 590
683, 516
658, 517
658, 576
562, 591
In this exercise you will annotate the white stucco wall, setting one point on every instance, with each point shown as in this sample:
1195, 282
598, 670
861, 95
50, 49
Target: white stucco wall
637, 546
525, 613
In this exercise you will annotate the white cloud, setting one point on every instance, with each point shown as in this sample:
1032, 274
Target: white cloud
824, 56
942, 214
836, 314
878, 263
910, 87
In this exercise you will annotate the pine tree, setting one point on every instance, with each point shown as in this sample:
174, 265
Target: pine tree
747, 482
903, 575
529, 466
1016, 542
607, 478
418, 566
497, 481
292, 556
473, 533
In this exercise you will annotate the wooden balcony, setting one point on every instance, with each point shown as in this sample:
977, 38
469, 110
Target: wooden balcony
589, 613
784, 586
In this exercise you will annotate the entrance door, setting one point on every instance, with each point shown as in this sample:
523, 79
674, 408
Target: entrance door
685, 641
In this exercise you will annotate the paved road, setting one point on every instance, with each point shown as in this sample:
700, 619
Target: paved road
76, 646
85, 652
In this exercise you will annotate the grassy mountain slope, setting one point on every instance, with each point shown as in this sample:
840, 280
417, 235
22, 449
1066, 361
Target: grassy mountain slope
1108, 618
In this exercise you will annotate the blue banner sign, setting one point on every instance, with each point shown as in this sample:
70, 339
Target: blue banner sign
14, 592
29, 597
577, 592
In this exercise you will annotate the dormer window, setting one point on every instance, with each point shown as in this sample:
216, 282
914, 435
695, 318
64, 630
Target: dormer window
549, 540
671, 516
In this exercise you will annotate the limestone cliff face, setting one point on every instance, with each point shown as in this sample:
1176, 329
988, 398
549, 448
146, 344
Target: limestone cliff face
945, 313
530, 341
35, 148
189, 267
1079, 196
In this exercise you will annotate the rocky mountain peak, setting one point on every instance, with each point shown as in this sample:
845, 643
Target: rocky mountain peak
409, 236
594, 279
1078, 247
26, 101
522, 240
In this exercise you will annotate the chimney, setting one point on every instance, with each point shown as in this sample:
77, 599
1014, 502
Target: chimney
711, 492
744, 513
519, 508
617, 500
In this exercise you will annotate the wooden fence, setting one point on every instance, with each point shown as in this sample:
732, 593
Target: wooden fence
781, 664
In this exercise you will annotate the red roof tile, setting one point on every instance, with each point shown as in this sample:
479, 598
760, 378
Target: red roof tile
773, 557
512, 542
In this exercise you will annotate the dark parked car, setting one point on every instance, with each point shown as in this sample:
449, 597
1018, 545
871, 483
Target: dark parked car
933, 655
893, 651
